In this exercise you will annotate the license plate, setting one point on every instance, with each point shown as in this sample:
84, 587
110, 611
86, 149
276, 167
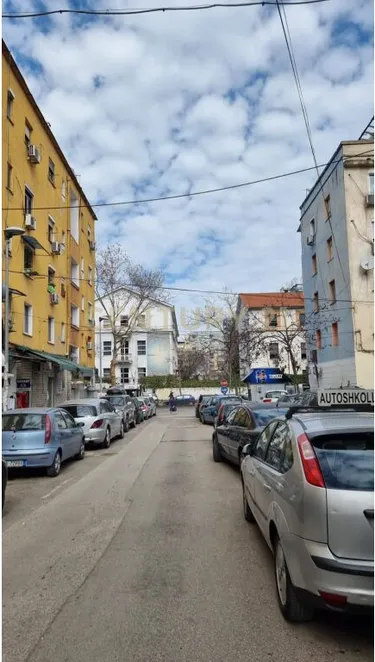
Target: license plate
16, 463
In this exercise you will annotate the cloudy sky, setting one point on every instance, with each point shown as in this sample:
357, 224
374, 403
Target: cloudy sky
162, 104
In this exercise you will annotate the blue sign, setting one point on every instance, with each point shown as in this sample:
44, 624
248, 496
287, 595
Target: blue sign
224, 390
265, 376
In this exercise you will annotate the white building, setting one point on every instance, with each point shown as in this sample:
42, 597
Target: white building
272, 343
337, 234
146, 338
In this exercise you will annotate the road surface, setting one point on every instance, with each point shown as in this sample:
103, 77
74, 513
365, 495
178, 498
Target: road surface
140, 554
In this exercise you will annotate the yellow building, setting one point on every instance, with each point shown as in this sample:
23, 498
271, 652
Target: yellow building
52, 265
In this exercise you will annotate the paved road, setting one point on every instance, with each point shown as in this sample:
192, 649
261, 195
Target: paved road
147, 557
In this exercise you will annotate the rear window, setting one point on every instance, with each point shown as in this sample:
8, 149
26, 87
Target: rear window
23, 422
81, 411
116, 400
346, 460
264, 416
230, 401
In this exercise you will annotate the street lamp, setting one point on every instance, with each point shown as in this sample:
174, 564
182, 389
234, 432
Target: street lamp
100, 354
8, 234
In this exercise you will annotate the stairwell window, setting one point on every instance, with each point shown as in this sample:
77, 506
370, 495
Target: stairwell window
10, 104
28, 319
51, 330
335, 334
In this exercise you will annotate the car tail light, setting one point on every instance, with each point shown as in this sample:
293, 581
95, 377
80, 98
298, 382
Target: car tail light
48, 433
333, 599
97, 424
267, 400
310, 463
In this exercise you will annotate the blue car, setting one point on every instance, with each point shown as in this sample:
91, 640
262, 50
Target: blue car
41, 437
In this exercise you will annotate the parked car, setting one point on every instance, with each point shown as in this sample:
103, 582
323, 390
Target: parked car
288, 400
125, 404
101, 422
201, 400
308, 482
4, 479
41, 437
210, 411
145, 408
274, 396
242, 427
152, 406
139, 413
182, 401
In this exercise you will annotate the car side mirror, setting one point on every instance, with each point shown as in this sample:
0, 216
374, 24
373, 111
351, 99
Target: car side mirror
80, 424
247, 450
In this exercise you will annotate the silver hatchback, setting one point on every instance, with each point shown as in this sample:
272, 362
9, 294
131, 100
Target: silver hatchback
308, 482
101, 422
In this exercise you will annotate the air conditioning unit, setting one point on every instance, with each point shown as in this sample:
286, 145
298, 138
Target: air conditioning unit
55, 247
30, 222
92, 245
310, 239
369, 200
55, 298
34, 154
89, 346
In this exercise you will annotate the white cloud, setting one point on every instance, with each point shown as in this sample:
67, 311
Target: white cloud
165, 104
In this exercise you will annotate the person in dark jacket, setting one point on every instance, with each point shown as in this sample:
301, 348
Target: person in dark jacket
172, 402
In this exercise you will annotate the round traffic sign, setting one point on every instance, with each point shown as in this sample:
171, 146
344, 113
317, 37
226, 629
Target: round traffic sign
223, 382
224, 390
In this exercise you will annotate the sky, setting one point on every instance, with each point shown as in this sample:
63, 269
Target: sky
162, 104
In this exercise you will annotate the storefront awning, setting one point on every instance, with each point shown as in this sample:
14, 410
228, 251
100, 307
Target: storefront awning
61, 361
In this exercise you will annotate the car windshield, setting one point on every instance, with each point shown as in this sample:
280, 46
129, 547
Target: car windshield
116, 400
264, 416
81, 411
23, 422
346, 460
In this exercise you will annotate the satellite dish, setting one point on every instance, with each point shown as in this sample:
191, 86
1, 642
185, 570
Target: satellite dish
367, 263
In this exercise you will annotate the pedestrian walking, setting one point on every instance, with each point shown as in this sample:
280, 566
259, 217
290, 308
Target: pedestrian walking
172, 402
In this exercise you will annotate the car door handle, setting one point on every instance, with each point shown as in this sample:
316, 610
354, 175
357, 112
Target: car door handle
267, 487
252, 473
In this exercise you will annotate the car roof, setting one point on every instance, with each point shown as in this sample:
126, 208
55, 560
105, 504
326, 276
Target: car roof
88, 401
31, 410
335, 421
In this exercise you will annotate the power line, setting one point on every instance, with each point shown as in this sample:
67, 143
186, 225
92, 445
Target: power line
194, 193
154, 10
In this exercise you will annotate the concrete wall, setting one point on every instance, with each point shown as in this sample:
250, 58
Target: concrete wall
163, 393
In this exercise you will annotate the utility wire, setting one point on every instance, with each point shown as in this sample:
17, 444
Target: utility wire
194, 193
154, 10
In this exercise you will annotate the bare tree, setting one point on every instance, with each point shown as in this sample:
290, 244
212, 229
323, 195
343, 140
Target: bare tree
124, 290
191, 362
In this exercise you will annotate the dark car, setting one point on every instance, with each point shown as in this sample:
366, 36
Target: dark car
4, 479
125, 404
139, 414
210, 412
203, 399
242, 427
182, 401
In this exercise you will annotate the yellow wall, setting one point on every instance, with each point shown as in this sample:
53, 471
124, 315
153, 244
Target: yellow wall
49, 196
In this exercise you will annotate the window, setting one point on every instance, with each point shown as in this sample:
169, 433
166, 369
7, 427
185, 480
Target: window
28, 258
89, 231
74, 216
335, 334
9, 177
82, 268
89, 308
51, 229
83, 304
28, 320
312, 228
51, 329
63, 241
318, 338
262, 441
62, 338
28, 201
327, 202
275, 450
69, 420
141, 373
287, 459
371, 183
302, 319
74, 314
124, 320
51, 276
10, 102
242, 419
141, 321
314, 264
316, 302
332, 291
74, 275
60, 420
124, 348
272, 319
303, 350
141, 347
106, 322
51, 171
124, 375
89, 272
274, 350
329, 249
28, 132
107, 347
63, 190
106, 374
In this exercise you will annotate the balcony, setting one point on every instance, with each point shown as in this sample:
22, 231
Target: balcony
125, 357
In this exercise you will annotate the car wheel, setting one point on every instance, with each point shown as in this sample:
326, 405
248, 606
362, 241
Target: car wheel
107, 439
247, 512
133, 423
121, 435
126, 425
81, 454
55, 468
216, 453
290, 606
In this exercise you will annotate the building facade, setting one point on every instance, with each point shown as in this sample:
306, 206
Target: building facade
146, 340
337, 236
52, 264
272, 343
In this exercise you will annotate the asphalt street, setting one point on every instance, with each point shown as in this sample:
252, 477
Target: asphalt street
141, 553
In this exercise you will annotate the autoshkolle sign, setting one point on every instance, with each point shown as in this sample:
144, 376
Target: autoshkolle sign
345, 397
